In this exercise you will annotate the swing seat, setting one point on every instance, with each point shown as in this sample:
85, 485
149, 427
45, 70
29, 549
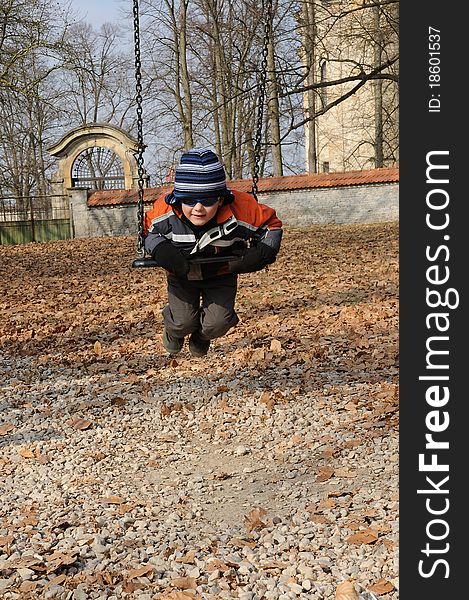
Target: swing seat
146, 262
200, 260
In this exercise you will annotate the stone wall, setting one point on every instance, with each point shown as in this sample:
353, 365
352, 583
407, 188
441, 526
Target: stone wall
102, 220
353, 204
371, 203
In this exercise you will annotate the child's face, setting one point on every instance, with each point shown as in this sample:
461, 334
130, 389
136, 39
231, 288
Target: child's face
199, 214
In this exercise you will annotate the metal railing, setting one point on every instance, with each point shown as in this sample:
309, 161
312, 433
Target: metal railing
26, 219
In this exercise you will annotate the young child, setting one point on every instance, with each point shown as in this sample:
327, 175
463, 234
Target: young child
201, 217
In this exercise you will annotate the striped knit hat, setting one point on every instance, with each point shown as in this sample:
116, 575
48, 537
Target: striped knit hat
199, 174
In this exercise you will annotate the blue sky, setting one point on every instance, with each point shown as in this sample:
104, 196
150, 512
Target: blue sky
97, 12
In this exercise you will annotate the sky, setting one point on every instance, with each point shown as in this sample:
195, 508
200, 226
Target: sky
97, 12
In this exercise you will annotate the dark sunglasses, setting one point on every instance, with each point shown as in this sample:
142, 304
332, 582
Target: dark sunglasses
204, 201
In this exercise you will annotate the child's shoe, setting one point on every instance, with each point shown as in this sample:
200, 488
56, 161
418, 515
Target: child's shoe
172, 344
197, 346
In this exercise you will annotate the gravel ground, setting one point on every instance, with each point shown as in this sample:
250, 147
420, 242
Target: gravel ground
267, 470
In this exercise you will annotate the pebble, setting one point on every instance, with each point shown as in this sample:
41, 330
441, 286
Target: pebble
138, 489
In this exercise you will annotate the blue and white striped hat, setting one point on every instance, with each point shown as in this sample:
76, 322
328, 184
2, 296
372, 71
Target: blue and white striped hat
199, 174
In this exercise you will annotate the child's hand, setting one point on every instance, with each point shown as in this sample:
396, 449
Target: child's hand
171, 258
254, 259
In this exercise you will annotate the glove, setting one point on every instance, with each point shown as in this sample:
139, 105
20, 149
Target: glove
254, 259
171, 258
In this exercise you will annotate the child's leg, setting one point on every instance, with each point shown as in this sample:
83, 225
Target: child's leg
217, 314
181, 315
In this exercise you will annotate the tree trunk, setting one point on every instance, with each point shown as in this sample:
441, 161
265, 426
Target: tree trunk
185, 78
378, 92
273, 108
309, 38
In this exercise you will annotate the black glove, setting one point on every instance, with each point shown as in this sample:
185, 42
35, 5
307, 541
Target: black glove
254, 259
171, 258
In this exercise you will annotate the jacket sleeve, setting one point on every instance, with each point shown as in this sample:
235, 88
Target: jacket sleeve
155, 225
261, 219
153, 215
270, 232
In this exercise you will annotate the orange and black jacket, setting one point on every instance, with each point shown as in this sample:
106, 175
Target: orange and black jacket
236, 225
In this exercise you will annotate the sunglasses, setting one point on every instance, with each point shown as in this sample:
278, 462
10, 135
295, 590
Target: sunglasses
207, 202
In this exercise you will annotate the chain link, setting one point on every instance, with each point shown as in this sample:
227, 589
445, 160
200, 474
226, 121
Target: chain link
140, 145
267, 10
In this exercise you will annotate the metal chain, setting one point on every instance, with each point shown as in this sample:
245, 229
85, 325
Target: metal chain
262, 94
141, 147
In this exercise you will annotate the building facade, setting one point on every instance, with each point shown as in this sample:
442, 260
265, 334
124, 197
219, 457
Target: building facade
351, 61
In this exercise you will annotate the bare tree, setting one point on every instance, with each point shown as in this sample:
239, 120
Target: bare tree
331, 71
28, 27
31, 43
273, 101
95, 78
358, 46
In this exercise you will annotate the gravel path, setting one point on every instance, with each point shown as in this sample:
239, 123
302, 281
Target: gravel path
267, 470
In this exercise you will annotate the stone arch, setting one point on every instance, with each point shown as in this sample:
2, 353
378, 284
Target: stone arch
92, 136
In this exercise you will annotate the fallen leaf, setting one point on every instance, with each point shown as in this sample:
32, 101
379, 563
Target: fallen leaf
344, 473
180, 596
56, 580
221, 476
79, 423
382, 587
114, 500
98, 350
118, 401
253, 520
28, 586
216, 565
6, 539
125, 508
276, 346
324, 474
367, 536
184, 583
26, 453
239, 543
141, 572
6, 428
188, 557
346, 591
267, 399
59, 559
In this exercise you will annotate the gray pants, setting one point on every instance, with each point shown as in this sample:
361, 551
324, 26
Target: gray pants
205, 306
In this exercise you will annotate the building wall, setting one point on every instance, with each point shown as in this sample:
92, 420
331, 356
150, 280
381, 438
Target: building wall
349, 34
376, 203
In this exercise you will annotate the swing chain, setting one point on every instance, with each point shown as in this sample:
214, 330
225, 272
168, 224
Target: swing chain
140, 145
262, 93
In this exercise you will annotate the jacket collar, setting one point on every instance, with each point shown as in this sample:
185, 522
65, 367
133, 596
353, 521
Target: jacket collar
225, 223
